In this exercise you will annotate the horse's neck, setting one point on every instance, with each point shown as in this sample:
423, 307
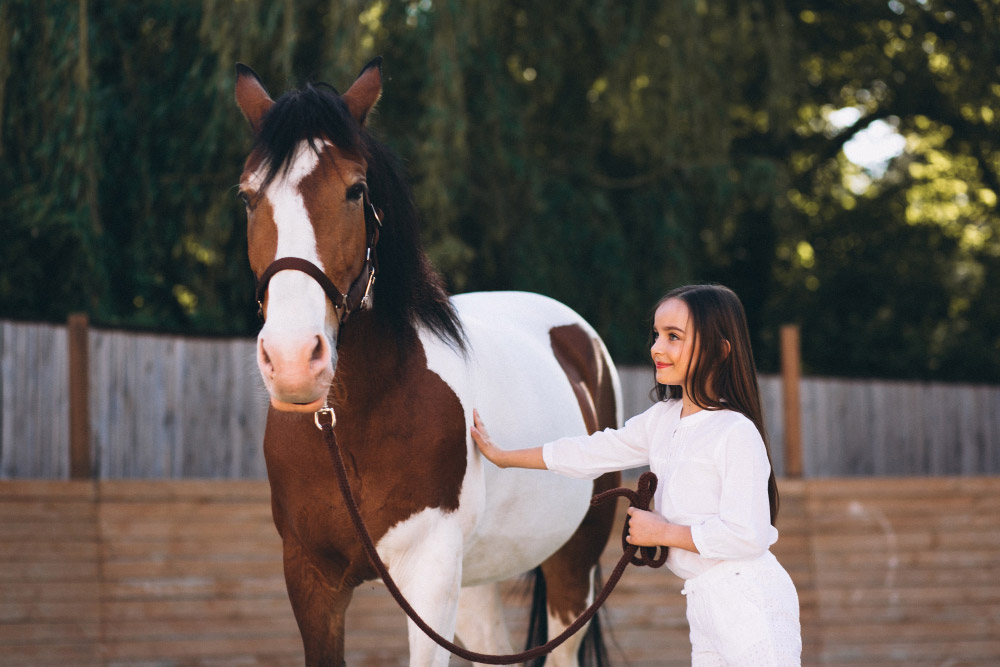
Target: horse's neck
371, 359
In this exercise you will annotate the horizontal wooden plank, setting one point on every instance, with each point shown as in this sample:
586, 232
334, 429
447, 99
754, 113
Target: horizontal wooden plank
219, 568
934, 650
48, 550
200, 490
49, 572
271, 605
275, 658
260, 528
944, 525
878, 542
115, 513
891, 578
917, 629
46, 510
52, 531
863, 488
84, 629
903, 508
198, 648
43, 591
191, 588
46, 612
196, 627
186, 547
860, 598
959, 559
28, 491
889, 614
82, 654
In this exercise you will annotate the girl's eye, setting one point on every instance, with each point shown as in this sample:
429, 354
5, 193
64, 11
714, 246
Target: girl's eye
673, 337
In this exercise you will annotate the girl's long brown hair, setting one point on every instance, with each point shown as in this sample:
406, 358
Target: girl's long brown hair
719, 378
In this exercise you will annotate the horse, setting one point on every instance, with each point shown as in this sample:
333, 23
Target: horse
403, 364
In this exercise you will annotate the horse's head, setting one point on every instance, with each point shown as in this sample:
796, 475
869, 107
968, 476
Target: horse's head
305, 189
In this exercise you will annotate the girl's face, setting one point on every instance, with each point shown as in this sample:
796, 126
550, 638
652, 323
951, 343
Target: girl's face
673, 343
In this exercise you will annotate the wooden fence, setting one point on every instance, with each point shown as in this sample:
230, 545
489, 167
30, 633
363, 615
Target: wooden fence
158, 406
112, 573
174, 407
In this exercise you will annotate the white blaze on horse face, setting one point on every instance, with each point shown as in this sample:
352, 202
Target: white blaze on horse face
296, 348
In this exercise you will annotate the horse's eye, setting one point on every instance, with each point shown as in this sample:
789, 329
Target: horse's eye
245, 198
356, 191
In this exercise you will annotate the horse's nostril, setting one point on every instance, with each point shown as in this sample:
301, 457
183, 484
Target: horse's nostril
317, 353
265, 357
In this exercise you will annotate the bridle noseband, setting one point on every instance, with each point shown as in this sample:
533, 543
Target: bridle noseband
358, 295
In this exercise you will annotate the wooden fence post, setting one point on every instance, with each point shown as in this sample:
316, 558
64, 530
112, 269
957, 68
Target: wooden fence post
79, 397
791, 373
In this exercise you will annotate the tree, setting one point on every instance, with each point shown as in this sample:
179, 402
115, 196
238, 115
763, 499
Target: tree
599, 152
902, 257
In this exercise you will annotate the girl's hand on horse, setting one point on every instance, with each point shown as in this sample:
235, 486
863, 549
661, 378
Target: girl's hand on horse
483, 441
504, 458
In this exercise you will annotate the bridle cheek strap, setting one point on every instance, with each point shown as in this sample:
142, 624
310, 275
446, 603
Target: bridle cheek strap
358, 294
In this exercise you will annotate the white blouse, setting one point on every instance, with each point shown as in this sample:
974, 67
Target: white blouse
712, 472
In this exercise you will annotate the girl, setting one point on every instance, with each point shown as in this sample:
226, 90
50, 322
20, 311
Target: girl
716, 500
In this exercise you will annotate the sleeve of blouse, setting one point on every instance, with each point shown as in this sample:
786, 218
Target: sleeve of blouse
742, 528
590, 456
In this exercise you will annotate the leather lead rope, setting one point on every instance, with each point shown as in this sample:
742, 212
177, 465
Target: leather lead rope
639, 498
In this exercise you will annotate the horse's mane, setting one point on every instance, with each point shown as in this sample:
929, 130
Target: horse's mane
408, 289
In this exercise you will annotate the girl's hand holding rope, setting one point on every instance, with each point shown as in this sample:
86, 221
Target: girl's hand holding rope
645, 529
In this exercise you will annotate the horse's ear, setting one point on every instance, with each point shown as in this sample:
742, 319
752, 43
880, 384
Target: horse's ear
251, 97
365, 91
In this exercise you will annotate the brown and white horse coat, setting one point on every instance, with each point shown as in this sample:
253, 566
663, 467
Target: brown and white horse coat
448, 524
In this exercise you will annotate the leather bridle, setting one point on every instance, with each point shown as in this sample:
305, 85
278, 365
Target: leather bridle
358, 295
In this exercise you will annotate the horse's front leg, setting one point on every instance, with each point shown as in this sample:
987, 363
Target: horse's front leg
319, 606
424, 557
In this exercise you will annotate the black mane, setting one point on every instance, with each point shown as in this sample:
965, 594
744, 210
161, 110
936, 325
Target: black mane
408, 289
313, 112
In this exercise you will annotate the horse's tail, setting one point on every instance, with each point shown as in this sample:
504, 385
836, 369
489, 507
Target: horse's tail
538, 619
592, 651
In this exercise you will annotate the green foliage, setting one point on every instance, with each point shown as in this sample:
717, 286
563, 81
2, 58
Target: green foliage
600, 152
894, 274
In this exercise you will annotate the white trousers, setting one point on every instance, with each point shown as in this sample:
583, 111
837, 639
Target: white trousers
744, 613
